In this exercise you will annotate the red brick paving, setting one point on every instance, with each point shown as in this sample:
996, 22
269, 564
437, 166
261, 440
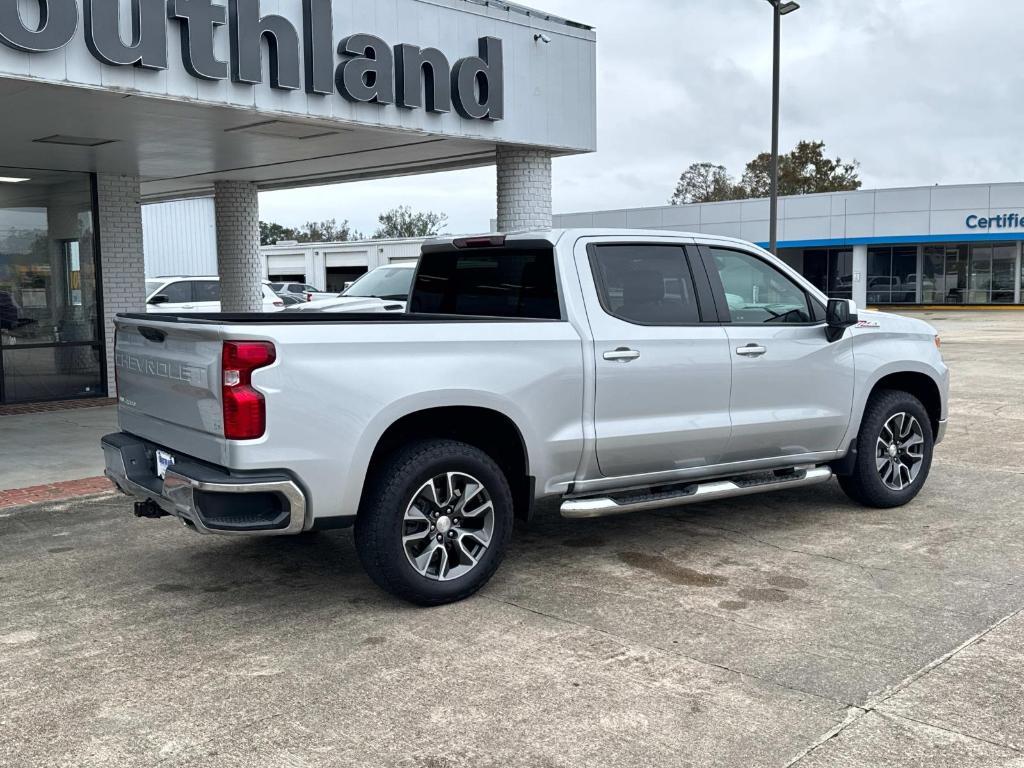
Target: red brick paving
70, 489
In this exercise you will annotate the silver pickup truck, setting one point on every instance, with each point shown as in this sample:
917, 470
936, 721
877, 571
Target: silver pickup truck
615, 371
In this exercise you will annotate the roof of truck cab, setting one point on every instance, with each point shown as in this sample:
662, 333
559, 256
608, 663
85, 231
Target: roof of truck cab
553, 236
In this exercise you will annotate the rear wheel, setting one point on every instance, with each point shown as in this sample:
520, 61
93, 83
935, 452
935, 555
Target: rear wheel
435, 522
894, 451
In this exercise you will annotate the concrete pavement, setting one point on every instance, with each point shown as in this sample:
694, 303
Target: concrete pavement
788, 629
53, 446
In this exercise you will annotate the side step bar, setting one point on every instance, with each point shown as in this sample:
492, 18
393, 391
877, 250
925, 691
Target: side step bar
693, 493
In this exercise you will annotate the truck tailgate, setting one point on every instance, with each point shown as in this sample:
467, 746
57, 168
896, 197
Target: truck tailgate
168, 382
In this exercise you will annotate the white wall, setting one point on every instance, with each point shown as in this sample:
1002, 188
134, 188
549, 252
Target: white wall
180, 237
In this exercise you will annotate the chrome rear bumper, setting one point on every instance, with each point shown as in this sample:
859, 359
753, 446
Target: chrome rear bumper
207, 498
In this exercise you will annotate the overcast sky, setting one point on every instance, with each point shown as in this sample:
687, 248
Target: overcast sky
920, 92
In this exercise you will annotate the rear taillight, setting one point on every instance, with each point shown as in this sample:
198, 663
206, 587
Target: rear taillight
245, 410
278, 303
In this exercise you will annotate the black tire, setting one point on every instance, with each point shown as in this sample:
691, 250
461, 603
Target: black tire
380, 523
865, 484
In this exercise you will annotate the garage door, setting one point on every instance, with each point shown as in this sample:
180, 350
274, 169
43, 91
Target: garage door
347, 258
278, 264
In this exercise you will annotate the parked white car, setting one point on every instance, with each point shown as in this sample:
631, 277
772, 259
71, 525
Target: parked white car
195, 294
384, 289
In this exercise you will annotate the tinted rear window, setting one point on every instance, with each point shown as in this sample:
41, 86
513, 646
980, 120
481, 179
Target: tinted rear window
500, 282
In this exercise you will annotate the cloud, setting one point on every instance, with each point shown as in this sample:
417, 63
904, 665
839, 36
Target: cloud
919, 92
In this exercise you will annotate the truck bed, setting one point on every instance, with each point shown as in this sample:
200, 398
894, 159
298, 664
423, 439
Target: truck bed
318, 318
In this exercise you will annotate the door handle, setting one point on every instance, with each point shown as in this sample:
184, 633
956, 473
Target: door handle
751, 350
622, 355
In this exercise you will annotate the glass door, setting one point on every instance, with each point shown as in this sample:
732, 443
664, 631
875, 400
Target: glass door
50, 337
840, 274
956, 274
1004, 273
981, 275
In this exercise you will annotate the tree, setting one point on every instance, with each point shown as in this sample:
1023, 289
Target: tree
271, 232
328, 231
704, 183
804, 170
403, 222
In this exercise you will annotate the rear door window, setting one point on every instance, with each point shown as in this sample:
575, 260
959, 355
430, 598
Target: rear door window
645, 284
179, 292
206, 290
493, 282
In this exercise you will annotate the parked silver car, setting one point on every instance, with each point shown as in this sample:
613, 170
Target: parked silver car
612, 370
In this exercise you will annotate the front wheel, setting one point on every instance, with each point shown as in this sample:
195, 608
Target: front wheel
435, 522
894, 451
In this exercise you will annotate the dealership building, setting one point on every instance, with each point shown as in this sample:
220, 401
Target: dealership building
941, 245
109, 104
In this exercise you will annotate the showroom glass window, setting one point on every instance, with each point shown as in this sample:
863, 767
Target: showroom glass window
892, 275
49, 317
969, 273
830, 270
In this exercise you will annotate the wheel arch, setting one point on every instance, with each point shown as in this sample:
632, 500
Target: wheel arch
920, 385
492, 431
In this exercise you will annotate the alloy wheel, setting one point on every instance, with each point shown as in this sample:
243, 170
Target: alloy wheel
448, 525
899, 451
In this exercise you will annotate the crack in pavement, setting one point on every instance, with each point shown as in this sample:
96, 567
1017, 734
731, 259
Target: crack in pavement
872, 706
901, 716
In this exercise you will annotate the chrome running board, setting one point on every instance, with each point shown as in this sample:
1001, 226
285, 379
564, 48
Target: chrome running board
693, 493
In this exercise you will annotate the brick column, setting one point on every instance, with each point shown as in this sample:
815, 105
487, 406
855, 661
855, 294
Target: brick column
121, 263
524, 189
238, 246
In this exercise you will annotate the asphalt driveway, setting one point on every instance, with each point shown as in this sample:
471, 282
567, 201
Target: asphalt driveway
793, 628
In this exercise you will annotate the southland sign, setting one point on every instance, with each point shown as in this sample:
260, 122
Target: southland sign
370, 70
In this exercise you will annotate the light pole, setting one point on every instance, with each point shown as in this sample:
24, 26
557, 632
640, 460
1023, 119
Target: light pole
779, 9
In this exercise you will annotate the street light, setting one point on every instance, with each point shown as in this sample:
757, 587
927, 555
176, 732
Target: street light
780, 9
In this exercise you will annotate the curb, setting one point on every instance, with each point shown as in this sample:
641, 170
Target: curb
63, 491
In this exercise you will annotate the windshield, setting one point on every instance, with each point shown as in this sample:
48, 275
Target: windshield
391, 283
152, 285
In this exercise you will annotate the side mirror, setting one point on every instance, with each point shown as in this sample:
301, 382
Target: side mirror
840, 314
159, 299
